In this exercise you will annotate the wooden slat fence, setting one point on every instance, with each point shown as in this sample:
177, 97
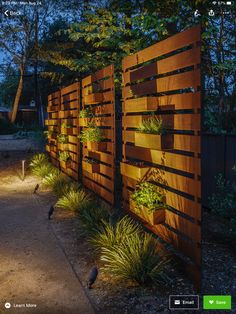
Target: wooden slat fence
164, 80
98, 94
52, 124
68, 117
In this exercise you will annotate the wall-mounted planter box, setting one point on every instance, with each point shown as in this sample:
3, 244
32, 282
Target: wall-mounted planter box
67, 131
65, 164
99, 147
148, 103
62, 146
84, 121
91, 167
93, 98
133, 171
154, 141
154, 218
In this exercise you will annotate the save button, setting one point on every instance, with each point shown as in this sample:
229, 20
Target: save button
217, 302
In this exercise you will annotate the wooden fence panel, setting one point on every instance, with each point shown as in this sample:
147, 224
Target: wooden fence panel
69, 112
167, 87
52, 122
63, 110
98, 166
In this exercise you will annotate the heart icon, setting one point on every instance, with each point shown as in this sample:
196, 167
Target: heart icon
211, 301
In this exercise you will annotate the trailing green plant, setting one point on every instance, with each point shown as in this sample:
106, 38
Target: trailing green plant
92, 134
94, 219
66, 125
76, 201
111, 236
86, 113
136, 259
152, 125
38, 159
64, 156
148, 195
62, 138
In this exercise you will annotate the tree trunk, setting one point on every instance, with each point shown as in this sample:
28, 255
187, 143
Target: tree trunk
18, 95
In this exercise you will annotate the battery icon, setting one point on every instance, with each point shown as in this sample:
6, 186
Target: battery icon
228, 2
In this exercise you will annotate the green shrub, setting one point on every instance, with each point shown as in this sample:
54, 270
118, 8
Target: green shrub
94, 219
223, 201
148, 195
111, 236
86, 113
75, 200
62, 138
152, 125
91, 134
38, 159
64, 156
136, 259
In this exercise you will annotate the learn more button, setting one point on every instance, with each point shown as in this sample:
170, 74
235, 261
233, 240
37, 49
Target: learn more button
217, 302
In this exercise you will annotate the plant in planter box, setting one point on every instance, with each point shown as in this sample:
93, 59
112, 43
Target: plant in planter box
91, 165
86, 113
152, 134
64, 158
66, 125
94, 138
148, 201
62, 139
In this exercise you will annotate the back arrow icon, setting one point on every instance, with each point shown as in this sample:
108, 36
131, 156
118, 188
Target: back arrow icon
6, 13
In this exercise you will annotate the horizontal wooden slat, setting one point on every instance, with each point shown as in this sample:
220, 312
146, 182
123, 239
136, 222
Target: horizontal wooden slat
107, 71
190, 143
167, 159
71, 88
99, 190
170, 102
172, 43
187, 122
175, 62
105, 182
190, 79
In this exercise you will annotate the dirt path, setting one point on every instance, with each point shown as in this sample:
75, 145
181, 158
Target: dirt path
33, 267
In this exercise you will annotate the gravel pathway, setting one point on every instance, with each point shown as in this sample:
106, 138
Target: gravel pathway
35, 275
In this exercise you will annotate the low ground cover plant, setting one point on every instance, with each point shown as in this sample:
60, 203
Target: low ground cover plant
75, 201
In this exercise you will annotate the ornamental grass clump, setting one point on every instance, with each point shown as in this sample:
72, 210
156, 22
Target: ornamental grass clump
136, 259
93, 219
40, 166
38, 160
75, 200
111, 236
148, 195
152, 125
